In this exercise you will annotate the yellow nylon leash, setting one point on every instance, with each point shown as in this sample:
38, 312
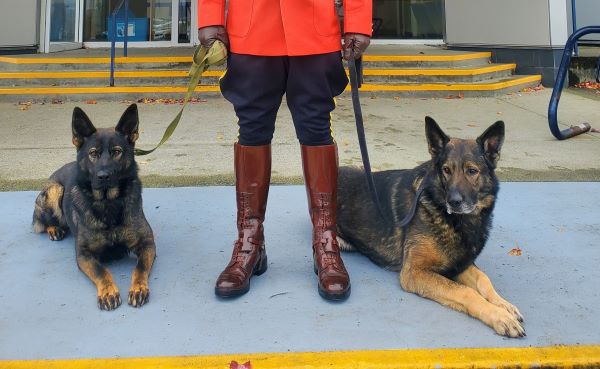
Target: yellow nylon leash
203, 58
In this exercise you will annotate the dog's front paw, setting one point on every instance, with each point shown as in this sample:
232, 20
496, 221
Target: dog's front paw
109, 297
506, 323
138, 294
55, 233
512, 309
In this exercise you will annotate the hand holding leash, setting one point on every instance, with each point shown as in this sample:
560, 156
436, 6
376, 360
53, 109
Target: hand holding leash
355, 45
208, 35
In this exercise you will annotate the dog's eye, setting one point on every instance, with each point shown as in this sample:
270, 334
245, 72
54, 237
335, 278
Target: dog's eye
93, 153
446, 169
472, 171
117, 151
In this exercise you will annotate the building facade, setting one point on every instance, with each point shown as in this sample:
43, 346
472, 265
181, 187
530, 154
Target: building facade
55, 25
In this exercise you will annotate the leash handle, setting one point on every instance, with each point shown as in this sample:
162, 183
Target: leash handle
360, 130
202, 59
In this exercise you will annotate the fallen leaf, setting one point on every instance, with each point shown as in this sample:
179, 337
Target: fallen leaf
91, 102
235, 365
533, 89
515, 252
588, 85
596, 130
57, 101
453, 97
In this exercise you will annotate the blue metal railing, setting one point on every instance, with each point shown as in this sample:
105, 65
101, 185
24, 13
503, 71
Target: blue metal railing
113, 40
574, 18
560, 82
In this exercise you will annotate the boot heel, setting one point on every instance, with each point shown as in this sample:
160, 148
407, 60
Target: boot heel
261, 267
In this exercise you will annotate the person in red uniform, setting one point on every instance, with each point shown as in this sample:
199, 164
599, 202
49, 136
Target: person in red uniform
291, 47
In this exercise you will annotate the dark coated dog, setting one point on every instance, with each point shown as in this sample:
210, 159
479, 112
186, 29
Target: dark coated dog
449, 225
99, 199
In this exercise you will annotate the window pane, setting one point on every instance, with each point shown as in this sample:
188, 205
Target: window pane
149, 20
62, 20
185, 21
408, 19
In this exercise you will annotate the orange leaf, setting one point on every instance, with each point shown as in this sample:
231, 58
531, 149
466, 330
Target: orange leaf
515, 252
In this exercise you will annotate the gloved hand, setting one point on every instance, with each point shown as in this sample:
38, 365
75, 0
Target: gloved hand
355, 44
208, 35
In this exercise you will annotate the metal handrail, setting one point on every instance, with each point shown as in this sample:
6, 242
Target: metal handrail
558, 86
574, 24
114, 37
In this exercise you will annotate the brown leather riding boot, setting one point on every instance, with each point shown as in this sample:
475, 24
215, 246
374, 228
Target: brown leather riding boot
320, 174
252, 177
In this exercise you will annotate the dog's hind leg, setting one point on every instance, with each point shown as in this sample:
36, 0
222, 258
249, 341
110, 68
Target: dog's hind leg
473, 277
48, 215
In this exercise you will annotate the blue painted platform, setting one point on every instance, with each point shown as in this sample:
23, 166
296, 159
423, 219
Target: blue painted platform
48, 307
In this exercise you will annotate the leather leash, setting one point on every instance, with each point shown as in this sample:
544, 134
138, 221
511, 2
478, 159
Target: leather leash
202, 59
354, 66
356, 80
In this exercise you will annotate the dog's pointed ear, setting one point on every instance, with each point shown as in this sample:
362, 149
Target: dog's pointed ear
436, 138
491, 142
81, 126
128, 124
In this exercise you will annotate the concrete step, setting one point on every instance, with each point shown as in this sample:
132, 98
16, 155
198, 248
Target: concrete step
29, 63
488, 88
180, 77
176, 77
439, 75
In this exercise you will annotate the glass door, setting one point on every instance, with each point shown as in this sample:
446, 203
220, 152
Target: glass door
184, 24
408, 19
63, 25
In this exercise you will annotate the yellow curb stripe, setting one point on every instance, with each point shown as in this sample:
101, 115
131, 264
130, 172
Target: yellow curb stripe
438, 72
218, 73
525, 357
102, 90
452, 87
105, 74
101, 60
188, 59
215, 88
427, 58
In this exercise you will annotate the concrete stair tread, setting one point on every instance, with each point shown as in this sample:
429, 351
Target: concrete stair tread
188, 58
493, 85
159, 73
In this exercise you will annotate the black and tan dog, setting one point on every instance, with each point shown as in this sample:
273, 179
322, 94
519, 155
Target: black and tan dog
99, 199
436, 250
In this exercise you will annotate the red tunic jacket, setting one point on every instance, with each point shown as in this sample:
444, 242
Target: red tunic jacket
285, 27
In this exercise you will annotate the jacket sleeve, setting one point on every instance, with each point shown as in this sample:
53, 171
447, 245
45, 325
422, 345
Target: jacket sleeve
358, 16
211, 13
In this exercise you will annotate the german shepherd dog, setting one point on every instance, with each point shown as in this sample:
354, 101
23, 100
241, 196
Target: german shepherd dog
439, 216
99, 199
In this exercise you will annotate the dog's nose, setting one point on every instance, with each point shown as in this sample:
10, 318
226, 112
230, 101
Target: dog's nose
102, 175
455, 199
